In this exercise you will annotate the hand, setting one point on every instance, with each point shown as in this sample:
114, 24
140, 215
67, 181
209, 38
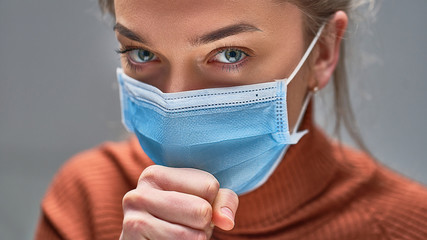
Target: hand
177, 203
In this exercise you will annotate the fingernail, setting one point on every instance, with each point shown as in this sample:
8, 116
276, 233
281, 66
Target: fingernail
228, 213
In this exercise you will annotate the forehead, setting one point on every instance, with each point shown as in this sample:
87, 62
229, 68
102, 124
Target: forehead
174, 9
189, 17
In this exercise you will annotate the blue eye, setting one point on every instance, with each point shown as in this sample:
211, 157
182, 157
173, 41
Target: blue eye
141, 56
230, 55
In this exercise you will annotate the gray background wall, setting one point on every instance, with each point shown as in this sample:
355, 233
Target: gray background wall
58, 94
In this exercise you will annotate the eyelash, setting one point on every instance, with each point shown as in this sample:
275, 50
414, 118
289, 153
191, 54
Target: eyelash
232, 67
129, 63
227, 67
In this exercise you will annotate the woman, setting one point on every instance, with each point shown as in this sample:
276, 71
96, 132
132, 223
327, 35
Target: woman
217, 94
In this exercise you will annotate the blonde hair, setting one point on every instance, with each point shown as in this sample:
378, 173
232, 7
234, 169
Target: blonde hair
318, 12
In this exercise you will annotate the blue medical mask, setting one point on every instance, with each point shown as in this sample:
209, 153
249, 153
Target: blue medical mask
239, 134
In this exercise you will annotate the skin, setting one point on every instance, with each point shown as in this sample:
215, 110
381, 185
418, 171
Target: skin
166, 205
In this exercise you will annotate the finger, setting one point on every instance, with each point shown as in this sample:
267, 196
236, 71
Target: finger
185, 180
141, 225
224, 209
209, 231
174, 207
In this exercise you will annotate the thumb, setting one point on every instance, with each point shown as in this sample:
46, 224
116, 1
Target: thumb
224, 209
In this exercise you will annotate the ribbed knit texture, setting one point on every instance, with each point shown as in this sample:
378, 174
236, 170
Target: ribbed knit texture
319, 191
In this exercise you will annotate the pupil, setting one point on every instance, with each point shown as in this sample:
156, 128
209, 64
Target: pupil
145, 55
233, 54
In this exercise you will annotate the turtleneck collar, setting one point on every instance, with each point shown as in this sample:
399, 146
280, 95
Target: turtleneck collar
305, 172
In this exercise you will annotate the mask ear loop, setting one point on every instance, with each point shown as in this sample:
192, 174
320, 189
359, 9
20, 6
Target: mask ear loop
294, 73
307, 99
306, 54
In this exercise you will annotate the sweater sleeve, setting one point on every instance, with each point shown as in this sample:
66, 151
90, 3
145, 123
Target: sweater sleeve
45, 229
84, 198
65, 210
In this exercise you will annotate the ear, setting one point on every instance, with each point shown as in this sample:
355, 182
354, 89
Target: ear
328, 50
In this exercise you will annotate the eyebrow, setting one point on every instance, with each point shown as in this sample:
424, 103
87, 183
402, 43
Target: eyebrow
129, 34
215, 35
224, 32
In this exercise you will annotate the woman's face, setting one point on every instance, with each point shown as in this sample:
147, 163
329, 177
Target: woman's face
195, 44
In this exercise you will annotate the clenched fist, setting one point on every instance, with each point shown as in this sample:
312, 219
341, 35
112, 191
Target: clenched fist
177, 203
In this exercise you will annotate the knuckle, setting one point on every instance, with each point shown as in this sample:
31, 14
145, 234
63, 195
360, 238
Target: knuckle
184, 233
212, 188
149, 174
133, 199
130, 198
134, 226
204, 214
181, 233
201, 236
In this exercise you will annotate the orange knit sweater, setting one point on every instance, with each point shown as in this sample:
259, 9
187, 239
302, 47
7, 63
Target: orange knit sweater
319, 191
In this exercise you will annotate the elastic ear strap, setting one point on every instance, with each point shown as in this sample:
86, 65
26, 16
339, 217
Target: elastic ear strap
302, 112
306, 54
